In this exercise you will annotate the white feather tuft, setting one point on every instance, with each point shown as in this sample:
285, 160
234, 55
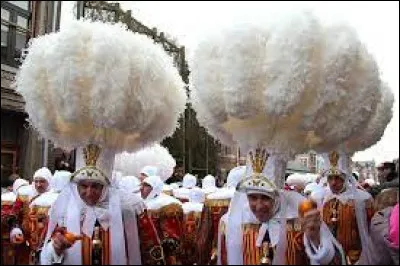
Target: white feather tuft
289, 86
101, 83
156, 155
375, 128
349, 92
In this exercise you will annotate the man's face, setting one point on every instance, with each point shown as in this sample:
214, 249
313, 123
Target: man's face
41, 185
381, 175
336, 184
386, 172
90, 192
145, 190
142, 177
262, 206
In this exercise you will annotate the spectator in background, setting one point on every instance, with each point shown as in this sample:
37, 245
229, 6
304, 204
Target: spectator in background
387, 176
177, 176
387, 172
385, 234
65, 162
7, 184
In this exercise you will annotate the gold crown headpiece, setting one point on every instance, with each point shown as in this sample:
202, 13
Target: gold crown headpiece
91, 153
333, 159
258, 160
257, 181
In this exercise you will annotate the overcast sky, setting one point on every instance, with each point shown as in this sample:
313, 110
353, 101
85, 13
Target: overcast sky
377, 24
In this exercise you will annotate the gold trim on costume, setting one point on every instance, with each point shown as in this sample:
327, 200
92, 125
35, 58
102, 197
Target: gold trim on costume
171, 210
7, 203
23, 198
251, 253
344, 226
37, 210
195, 215
217, 202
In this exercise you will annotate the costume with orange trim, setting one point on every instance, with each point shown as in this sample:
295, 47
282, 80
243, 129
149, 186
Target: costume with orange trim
27, 221
214, 209
38, 219
116, 230
14, 215
167, 215
168, 223
216, 205
96, 249
191, 224
150, 245
280, 239
339, 212
8, 222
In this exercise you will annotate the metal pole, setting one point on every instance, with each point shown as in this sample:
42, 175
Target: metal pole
45, 152
237, 156
207, 153
189, 169
184, 141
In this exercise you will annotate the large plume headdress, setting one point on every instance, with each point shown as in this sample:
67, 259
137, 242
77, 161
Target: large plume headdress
288, 86
101, 84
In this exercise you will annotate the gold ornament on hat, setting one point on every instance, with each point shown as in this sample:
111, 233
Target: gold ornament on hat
258, 180
91, 153
259, 160
333, 159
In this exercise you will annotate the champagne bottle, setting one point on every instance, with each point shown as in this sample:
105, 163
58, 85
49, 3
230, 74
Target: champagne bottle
265, 260
97, 247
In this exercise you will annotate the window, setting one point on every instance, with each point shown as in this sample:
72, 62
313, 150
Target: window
14, 30
4, 36
5, 15
21, 4
304, 162
9, 156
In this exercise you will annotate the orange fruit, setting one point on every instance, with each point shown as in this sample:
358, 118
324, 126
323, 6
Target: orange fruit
306, 206
71, 238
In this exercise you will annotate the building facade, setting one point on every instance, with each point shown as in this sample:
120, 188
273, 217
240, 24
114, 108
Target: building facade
22, 149
312, 161
229, 157
366, 170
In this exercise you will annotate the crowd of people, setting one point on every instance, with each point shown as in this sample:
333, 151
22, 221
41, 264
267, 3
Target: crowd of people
87, 217
274, 89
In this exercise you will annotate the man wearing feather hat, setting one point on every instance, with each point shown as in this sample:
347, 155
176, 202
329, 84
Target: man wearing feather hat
347, 210
263, 226
92, 222
72, 98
